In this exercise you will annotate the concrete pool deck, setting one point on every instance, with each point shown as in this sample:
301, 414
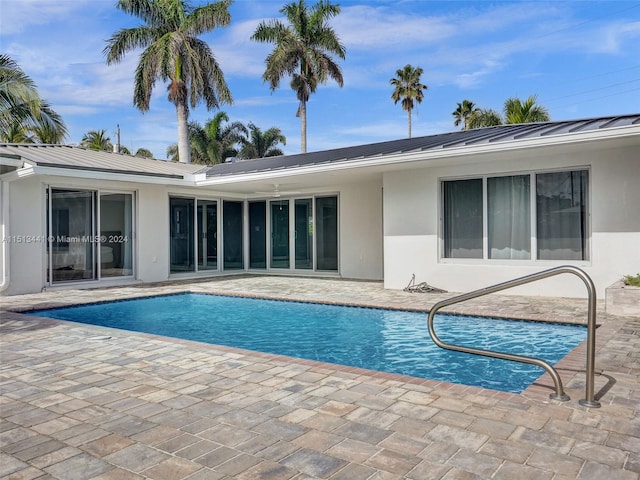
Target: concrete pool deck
84, 402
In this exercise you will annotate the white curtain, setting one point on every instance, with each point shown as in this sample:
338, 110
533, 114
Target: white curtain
463, 218
509, 217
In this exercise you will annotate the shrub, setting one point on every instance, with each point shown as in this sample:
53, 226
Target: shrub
632, 280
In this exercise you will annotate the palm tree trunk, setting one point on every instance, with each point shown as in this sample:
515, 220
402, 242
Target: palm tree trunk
409, 113
303, 126
184, 149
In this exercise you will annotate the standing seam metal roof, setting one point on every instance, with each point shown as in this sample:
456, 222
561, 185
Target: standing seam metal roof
488, 135
66, 156
78, 158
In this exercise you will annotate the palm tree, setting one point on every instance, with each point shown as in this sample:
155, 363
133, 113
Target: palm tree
302, 51
482, 117
216, 141
97, 140
174, 54
172, 152
516, 111
465, 109
24, 116
262, 144
144, 153
213, 143
408, 88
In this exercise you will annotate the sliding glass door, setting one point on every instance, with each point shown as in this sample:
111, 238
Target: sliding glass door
327, 233
182, 234
233, 235
313, 241
304, 233
72, 254
258, 235
193, 234
207, 223
298, 234
116, 234
279, 233
90, 235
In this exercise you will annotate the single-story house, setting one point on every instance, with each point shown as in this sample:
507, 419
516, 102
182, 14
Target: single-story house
460, 211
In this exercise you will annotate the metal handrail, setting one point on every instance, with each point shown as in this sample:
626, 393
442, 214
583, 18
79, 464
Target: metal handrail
589, 400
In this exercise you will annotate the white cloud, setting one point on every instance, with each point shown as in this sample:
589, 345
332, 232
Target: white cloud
366, 27
23, 15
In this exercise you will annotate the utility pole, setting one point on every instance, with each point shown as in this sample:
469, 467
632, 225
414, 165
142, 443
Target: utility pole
116, 147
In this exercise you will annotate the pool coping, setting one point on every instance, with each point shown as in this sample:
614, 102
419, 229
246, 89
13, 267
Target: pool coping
541, 389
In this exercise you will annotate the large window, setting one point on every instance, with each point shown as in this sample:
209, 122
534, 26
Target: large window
463, 219
509, 217
562, 215
502, 218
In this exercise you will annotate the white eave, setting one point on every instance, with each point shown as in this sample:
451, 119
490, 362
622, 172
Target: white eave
29, 170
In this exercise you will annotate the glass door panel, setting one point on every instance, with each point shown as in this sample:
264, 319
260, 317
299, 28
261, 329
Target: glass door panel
327, 233
304, 233
182, 258
257, 235
207, 215
280, 234
71, 249
232, 235
116, 230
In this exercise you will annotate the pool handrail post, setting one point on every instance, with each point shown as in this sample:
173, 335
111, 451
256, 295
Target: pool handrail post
589, 400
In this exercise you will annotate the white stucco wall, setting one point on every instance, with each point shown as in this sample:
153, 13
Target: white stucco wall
412, 224
360, 231
153, 233
26, 236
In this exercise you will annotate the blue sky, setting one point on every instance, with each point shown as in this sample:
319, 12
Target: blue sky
580, 58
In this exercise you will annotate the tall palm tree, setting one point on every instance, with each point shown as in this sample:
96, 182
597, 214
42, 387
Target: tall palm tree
408, 89
302, 51
262, 144
465, 109
517, 111
173, 53
24, 115
97, 140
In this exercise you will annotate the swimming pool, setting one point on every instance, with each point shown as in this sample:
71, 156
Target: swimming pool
376, 339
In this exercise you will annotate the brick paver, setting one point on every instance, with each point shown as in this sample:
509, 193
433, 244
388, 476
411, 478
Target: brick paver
84, 402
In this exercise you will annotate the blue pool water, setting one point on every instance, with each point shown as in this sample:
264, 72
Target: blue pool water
376, 339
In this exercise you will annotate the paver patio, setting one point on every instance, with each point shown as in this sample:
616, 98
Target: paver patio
86, 402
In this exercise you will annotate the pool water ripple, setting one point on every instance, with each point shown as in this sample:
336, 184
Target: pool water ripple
383, 340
